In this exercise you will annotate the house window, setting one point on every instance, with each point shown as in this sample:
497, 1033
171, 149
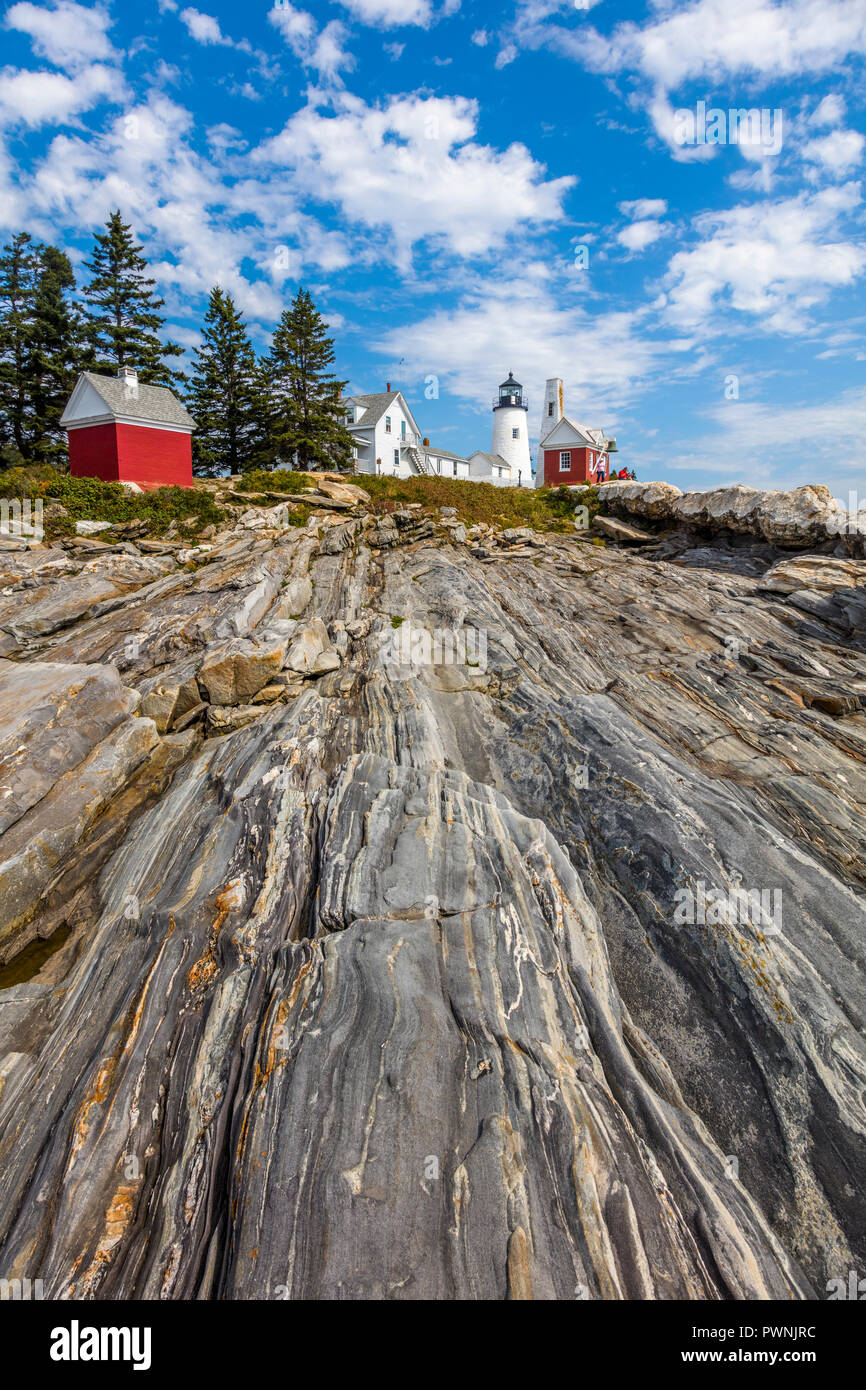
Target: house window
387, 424
565, 461
402, 429
438, 465
550, 407
591, 459
455, 468
396, 458
515, 434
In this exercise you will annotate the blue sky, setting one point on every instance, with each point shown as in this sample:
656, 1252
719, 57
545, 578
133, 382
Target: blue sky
468, 188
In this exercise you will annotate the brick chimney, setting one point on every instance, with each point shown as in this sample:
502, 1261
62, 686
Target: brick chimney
388, 387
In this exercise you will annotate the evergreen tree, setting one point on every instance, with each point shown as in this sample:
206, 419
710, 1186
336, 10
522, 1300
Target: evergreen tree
122, 313
305, 419
225, 396
54, 354
19, 272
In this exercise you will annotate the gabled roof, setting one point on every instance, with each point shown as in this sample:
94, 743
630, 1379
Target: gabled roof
375, 407
123, 400
431, 449
596, 439
495, 460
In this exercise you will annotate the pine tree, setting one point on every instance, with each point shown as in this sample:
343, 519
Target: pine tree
19, 271
123, 317
305, 418
54, 354
225, 397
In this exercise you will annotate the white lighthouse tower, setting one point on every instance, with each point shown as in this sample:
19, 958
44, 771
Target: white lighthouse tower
511, 432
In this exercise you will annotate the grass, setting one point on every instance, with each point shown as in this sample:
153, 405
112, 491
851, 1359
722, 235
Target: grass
90, 499
192, 509
541, 509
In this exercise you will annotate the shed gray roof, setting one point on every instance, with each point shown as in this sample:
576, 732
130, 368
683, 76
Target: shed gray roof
139, 402
495, 460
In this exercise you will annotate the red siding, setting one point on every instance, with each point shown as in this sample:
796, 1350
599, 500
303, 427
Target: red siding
139, 454
580, 472
93, 453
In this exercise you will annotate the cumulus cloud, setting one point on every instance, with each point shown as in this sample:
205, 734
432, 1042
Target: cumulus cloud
638, 235
68, 35
838, 153
324, 50
391, 14
203, 27
772, 260
522, 322
412, 168
51, 98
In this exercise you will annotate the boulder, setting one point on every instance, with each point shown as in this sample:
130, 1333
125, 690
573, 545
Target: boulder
307, 646
232, 672
621, 531
817, 573
91, 528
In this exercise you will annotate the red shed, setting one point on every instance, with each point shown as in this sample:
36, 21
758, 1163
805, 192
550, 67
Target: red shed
123, 431
572, 453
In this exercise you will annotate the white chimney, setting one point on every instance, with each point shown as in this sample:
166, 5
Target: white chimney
551, 414
127, 374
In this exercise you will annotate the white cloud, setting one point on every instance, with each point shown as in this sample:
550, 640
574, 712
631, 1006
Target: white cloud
204, 28
68, 35
638, 235
829, 111
412, 168
838, 153
390, 14
805, 443
481, 38
506, 55
523, 323
772, 260
325, 51
51, 98
644, 207
394, 51
723, 38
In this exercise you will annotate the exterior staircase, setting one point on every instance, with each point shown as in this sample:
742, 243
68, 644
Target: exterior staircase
419, 461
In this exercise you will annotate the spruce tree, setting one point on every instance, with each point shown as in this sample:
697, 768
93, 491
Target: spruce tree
19, 272
225, 396
122, 313
54, 354
305, 419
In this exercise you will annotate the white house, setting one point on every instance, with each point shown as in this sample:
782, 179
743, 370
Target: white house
388, 440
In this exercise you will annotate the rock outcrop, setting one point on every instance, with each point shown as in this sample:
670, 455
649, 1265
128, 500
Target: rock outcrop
799, 519
518, 957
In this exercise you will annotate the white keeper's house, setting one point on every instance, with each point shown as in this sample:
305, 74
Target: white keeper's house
388, 440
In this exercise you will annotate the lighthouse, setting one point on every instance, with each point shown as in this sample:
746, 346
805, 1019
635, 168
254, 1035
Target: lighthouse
510, 431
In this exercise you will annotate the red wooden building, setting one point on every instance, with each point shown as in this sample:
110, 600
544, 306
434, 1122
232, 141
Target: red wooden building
123, 431
573, 453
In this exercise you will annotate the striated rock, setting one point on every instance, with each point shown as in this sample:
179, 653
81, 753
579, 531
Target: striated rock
621, 531
803, 517
68, 743
91, 528
813, 572
405, 983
